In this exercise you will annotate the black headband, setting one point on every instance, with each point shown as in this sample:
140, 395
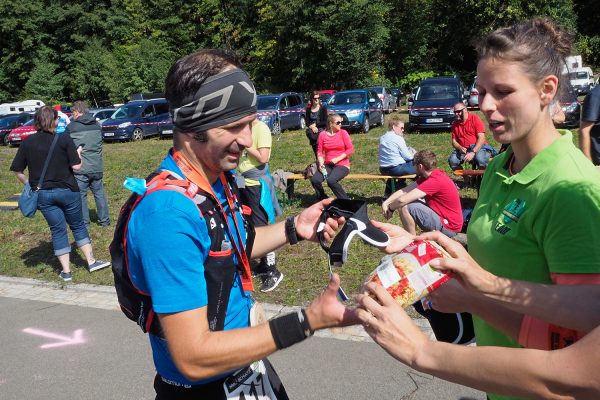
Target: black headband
222, 99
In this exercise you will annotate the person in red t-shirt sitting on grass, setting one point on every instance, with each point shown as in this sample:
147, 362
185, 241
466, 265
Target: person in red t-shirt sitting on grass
468, 140
432, 202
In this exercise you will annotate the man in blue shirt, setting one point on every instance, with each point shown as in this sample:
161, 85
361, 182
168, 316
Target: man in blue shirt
395, 157
175, 251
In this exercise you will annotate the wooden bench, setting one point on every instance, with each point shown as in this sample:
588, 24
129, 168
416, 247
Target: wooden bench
294, 177
475, 173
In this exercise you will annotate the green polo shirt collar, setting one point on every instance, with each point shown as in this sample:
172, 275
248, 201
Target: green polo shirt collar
541, 162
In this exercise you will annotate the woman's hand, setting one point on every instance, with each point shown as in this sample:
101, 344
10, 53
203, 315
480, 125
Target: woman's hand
399, 238
389, 325
463, 267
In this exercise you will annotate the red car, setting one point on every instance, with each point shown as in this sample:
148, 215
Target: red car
17, 135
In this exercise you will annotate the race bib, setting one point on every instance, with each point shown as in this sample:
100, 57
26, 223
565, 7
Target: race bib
249, 383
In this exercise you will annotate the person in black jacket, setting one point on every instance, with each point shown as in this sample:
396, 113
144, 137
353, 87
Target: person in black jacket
58, 198
316, 120
85, 132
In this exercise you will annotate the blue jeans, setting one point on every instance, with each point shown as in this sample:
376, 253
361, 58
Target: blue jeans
481, 159
397, 170
94, 183
59, 207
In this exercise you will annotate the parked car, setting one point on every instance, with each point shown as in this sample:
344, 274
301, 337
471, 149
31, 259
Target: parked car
136, 120
474, 94
386, 97
398, 93
433, 103
411, 96
571, 108
165, 129
360, 109
10, 122
17, 135
102, 114
281, 111
326, 95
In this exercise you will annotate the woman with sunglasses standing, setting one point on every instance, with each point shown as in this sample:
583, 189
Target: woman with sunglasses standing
58, 199
316, 120
334, 148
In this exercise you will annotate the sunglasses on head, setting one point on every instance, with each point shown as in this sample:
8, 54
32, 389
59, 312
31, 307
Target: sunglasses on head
459, 111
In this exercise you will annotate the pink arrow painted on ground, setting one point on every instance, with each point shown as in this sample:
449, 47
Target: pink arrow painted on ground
77, 337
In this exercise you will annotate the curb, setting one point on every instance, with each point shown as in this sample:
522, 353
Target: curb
105, 297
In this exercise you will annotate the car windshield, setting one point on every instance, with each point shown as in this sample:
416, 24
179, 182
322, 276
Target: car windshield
378, 90
127, 111
266, 103
437, 92
7, 122
325, 97
348, 98
579, 75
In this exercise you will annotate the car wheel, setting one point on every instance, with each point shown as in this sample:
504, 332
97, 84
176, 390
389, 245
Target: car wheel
302, 122
137, 135
5, 140
366, 125
276, 128
382, 120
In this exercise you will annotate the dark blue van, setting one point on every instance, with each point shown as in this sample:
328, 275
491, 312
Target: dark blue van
136, 120
281, 111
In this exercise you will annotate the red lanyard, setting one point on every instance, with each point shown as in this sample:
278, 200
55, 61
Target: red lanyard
196, 177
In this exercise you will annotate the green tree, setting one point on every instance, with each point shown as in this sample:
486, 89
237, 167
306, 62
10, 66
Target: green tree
45, 81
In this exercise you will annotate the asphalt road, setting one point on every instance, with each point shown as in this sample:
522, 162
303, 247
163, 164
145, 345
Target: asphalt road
57, 351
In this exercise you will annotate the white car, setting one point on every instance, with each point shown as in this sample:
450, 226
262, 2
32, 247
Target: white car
474, 94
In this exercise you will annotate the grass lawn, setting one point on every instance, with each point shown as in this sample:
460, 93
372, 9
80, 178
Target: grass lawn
26, 249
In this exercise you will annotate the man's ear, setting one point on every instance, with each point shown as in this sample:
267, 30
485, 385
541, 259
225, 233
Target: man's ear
548, 89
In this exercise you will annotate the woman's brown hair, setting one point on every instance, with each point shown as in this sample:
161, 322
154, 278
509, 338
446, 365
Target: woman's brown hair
539, 45
44, 119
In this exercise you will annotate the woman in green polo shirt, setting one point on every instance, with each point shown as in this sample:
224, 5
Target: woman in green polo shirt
537, 215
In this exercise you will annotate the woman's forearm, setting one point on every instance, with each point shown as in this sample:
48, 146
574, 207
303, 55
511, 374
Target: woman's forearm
558, 304
559, 374
21, 177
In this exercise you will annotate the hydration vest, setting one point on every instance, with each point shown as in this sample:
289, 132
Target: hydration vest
219, 266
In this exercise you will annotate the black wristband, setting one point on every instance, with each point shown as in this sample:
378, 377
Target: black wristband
287, 330
304, 321
290, 231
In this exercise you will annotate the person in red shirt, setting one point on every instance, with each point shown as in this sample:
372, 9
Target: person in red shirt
432, 202
334, 148
468, 140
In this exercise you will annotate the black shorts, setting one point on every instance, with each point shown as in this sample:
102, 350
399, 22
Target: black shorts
213, 390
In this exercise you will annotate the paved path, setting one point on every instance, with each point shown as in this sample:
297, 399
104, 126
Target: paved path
105, 297
71, 342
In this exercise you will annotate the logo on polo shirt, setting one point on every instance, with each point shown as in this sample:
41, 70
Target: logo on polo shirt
511, 214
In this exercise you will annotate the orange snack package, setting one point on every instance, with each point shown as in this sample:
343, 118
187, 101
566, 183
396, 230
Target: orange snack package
407, 275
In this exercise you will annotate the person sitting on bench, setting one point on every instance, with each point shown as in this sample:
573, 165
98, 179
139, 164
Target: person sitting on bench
468, 140
395, 157
432, 202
